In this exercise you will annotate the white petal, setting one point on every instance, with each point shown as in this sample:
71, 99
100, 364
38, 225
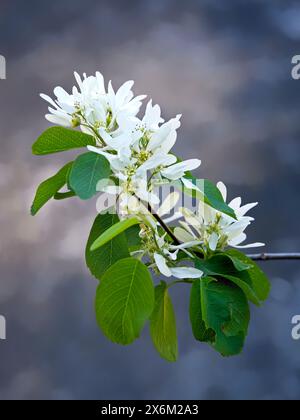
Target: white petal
49, 100
213, 241
186, 273
124, 92
191, 218
186, 245
255, 245
166, 136
116, 143
235, 204
223, 190
236, 228
152, 117
179, 169
169, 204
111, 189
182, 235
147, 196
62, 95
187, 227
173, 218
243, 210
238, 239
54, 119
100, 81
162, 265
99, 151
78, 80
156, 161
190, 185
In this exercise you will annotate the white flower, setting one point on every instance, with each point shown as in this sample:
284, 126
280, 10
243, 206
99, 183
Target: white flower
91, 107
177, 272
161, 252
217, 230
177, 171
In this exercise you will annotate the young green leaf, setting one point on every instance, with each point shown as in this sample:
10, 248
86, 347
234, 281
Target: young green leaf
224, 266
64, 195
101, 260
133, 238
260, 281
163, 324
114, 231
201, 333
224, 310
124, 300
60, 139
49, 188
87, 171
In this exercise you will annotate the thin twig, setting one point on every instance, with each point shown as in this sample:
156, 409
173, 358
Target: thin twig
274, 257
165, 227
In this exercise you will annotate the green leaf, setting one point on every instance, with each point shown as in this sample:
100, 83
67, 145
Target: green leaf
49, 188
114, 231
133, 238
209, 194
224, 266
124, 300
260, 281
224, 310
63, 195
239, 265
101, 260
87, 171
201, 333
60, 139
163, 324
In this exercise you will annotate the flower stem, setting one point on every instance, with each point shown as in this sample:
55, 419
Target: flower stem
163, 225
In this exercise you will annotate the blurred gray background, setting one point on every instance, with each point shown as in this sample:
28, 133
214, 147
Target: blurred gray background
226, 65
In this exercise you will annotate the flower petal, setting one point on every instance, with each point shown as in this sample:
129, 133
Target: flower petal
169, 203
179, 169
162, 265
186, 273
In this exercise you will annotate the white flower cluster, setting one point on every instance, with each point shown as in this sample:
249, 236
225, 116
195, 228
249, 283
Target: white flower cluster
216, 230
139, 152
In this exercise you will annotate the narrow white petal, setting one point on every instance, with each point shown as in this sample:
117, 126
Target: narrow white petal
186, 273
238, 239
255, 245
235, 204
58, 120
173, 218
123, 93
243, 210
162, 265
156, 161
186, 245
182, 235
49, 100
111, 189
179, 169
187, 227
223, 190
213, 241
169, 204
99, 151
189, 185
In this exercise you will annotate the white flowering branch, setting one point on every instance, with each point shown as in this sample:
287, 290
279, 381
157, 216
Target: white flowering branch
130, 159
